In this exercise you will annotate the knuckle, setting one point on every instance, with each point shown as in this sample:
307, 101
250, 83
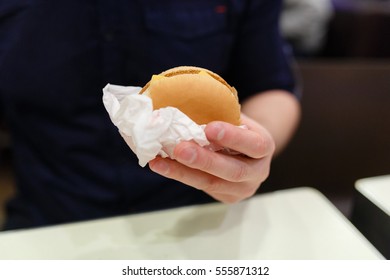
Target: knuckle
206, 163
214, 185
240, 173
263, 145
260, 146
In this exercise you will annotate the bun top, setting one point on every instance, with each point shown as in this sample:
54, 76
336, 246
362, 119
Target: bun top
199, 93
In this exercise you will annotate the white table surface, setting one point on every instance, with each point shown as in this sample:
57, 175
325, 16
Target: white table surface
377, 190
297, 223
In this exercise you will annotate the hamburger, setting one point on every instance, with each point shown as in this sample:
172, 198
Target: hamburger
197, 92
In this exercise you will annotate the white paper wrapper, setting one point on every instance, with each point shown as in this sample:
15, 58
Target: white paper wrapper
149, 132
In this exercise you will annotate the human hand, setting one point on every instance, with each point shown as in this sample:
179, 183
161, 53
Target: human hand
226, 177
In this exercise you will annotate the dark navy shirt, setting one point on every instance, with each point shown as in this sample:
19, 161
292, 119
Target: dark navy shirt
56, 56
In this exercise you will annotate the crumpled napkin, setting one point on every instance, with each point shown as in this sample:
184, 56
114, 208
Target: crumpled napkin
149, 132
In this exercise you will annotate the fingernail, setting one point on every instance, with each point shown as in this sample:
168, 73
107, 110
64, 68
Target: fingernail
220, 131
187, 155
160, 167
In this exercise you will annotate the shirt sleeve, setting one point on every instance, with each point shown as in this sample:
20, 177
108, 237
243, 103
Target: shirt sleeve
261, 59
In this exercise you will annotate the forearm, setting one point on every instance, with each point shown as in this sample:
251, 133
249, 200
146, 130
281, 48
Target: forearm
278, 111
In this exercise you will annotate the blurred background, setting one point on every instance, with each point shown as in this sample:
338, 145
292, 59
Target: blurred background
344, 68
342, 53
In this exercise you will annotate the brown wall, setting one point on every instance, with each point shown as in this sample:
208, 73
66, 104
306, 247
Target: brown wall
345, 129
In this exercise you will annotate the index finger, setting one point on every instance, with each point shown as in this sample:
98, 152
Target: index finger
252, 142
